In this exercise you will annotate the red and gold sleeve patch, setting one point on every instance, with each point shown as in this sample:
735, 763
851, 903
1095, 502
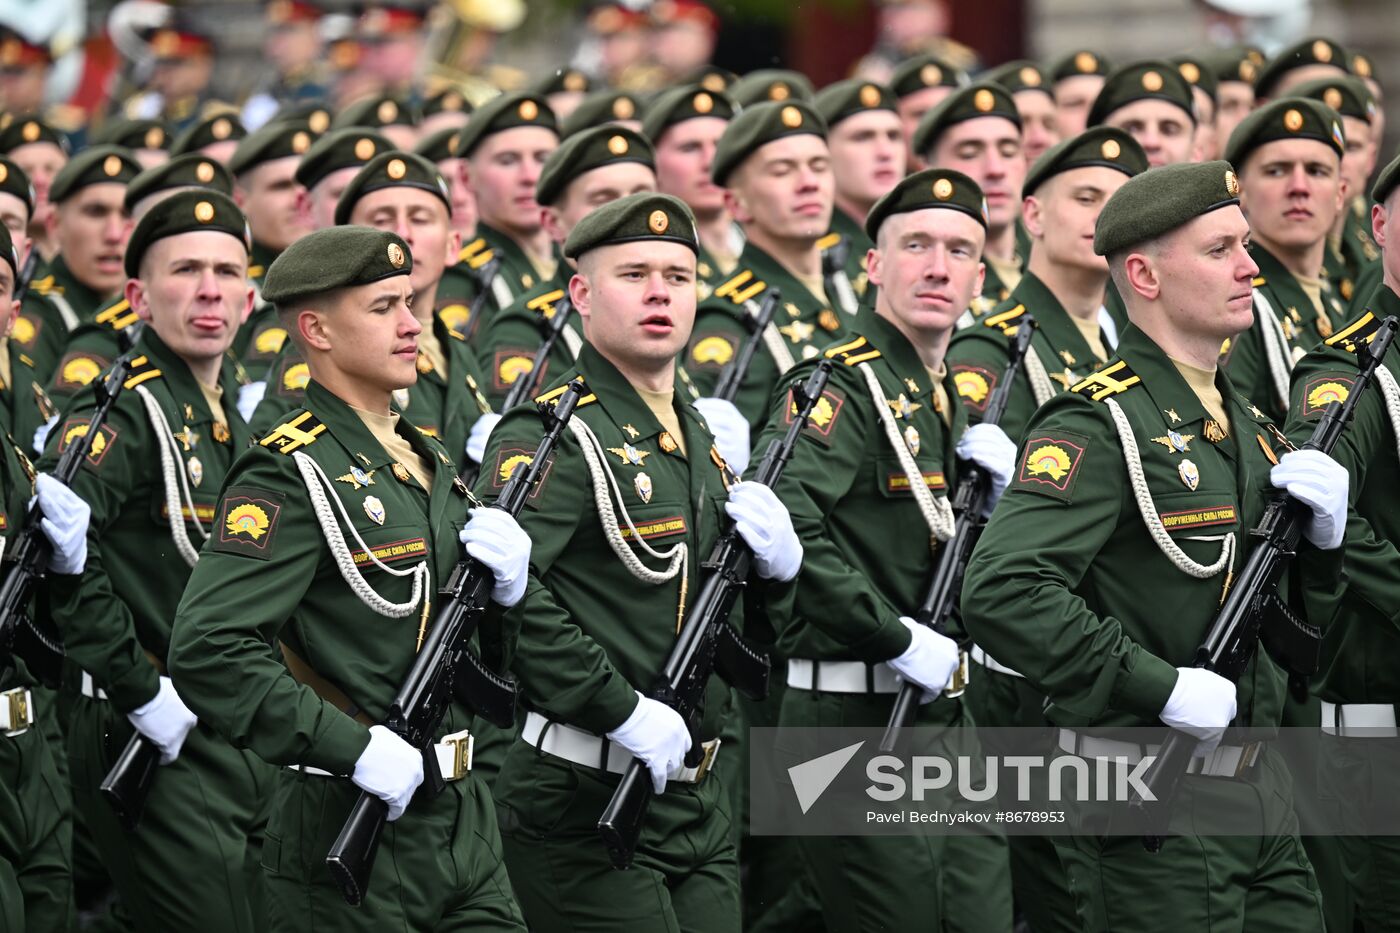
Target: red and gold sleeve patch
1050, 464
247, 522
77, 369
1323, 391
508, 460
713, 350
975, 385
1192, 519
75, 429
510, 364
822, 421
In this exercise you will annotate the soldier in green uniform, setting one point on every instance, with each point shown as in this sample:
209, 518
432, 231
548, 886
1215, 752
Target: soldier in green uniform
440, 148
977, 131
1288, 153
216, 136
392, 117
1104, 563
868, 157
632, 502
1035, 101
685, 124
503, 150
37, 329
1304, 60
867, 488
147, 140
151, 477
774, 163
1235, 69
1075, 80
1152, 101
919, 84
1207, 143
619, 108
771, 84
41, 151
326, 168
345, 520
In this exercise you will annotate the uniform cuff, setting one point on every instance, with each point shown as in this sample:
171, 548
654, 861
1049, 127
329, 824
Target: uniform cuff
135, 688
1145, 688
339, 745
607, 709
889, 640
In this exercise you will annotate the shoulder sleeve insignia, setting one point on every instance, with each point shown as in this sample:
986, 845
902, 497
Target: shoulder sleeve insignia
290, 436
822, 421
247, 522
740, 288
74, 429
142, 370
1361, 330
1324, 390
269, 340
455, 315
975, 385
713, 351
1050, 464
1007, 321
545, 303
828, 241
1109, 381
118, 317
510, 364
77, 369
854, 352
294, 380
511, 457
25, 329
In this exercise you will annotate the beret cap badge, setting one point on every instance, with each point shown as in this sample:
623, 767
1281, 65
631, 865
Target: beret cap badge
779, 91
984, 100
396, 169
301, 142
1232, 184
204, 212
1152, 81
931, 74
658, 222
528, 110
703, 103
870, 96
30, 132
943, 189
204, 172
1086, 62
1322, 51
396, 258
387, 111
364, 149
624, 109
1030, 77
1332, 98
112, 166
1293, 120
617, 145
791, 117
155, 136
221, 128
1111, 149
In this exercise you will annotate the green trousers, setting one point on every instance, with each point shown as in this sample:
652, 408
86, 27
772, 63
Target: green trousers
36, 883
1364, 879
438, 867
191, 864
685, 876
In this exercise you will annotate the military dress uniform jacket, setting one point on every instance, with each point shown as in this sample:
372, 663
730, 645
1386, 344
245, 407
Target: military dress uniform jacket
124, 603
1058, 358
506, 351
91, 348
801, 325
515, 276
76, 302
262, 335
1361, 613
40, 330
24, 405
1068, 586
853, 232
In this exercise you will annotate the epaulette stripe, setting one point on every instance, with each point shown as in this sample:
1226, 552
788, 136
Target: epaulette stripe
738, 280
255, 271
860, 358
554, 395
545, 300
1111, 381
1259, 282
454, 334
139, 378
481, 259
293, 432
26, 361
751, 291
1366, 322
42, 286
472, 248
828, 241
116, 309
833, 352
997, 320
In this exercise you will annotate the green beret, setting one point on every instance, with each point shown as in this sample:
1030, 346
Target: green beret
836, 102
1359, 64
392, 169
185, 212
771, 84
1345, 94
22, 132
93, 166
1386, 181
600, 108
1018, 76
349, 147
313, 113
1162, 199
679, 104
191, 170
982, 99
924, 71
273, 141
380, 110
439, 145
8, 253
562, 81
757, 125
1285, 118
505, 112
1234, 63
447, 100
1104, 146
134, 134
1197, 74
1152, 79
1077, 63
585, 151
643, 216
932, 188
216, 129
14, 180
1313, 51
336, 257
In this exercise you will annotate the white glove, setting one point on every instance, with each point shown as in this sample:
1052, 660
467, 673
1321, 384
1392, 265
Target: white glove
1320, 483
930, 661
65, 524
1201, 705
731, 431
248, 398
657, 735
764, 524
41, 434
497, 540
988, 446
390, 769
480, 434
165, 720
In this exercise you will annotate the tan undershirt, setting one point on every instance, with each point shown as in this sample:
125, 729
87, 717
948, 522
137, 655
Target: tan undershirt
397, 446
1089, 330
214, 398
544, 268
1313, 289
4, 362
725, 260
940, 395
1008, 272
815, 286
431, 347
661, 406
1202, 382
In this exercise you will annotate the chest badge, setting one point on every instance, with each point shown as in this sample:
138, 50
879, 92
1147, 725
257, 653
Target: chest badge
632, 432
196, 470
1175, 441
642, 483
1189, 474
630, 455
357, 478
1171, 413
221, 433
1068, 357
911, 438
374, 509
913, 386
1214, 431
400, 473
667, 442
798, 331
903, 408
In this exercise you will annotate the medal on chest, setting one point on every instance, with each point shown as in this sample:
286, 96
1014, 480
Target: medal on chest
374, 509
1189, 474
642, 484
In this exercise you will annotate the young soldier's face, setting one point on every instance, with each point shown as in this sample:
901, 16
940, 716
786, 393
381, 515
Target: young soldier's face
91, 229
912, 108
368, 334
463, 204
1385, 230
502, 174
684, 154
421, 220
319, 202
1291, 191
1234, 101
1073, 98
14, 215
637, 300
1206, 275
194, 292
268, 195
987, 150
1360, 157
785, 189
1039, 130
592, 190
1060, 216
1205, 145
868, 155
1164, 130
928, 267
41, 162
8, 307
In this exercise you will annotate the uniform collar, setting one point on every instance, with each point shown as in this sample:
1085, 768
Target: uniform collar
622, 402
1054, 323
850, 228
259, 258
82, 299
354, 435
1161, 379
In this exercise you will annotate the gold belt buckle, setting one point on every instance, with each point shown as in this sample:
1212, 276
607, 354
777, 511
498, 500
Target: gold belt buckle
1248, 755
463, 744
18, 710
711, 749
958, 684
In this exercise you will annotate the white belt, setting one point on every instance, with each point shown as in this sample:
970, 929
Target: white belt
16, 711
1364, 720
991, 663
90, 688
454, 757
842, 676
585, 748
1225, 761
